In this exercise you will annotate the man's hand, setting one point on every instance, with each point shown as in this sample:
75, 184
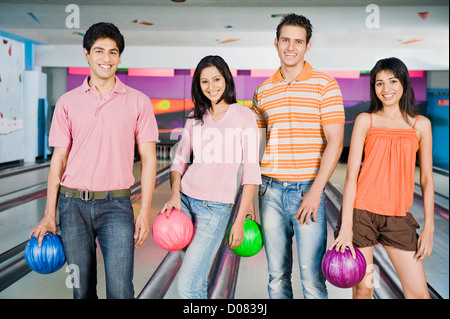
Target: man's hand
142, 229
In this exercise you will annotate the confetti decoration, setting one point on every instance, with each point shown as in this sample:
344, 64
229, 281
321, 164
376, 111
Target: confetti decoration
229, 40
5, 41
411, 41
9, 51
78, 33
33, 16
423, 15
141, 22
278, 15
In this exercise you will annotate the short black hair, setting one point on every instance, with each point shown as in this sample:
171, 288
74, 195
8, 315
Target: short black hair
296, 20
201, 102
103, 30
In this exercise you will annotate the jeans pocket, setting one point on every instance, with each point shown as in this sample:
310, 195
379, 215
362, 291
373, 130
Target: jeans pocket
218, 207
304, 188
263, 186
262, 189
124, 203
63, 203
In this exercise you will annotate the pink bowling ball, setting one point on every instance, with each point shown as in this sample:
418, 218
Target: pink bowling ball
174, 232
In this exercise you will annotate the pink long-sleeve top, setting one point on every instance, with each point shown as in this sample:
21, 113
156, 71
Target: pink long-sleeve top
218, 150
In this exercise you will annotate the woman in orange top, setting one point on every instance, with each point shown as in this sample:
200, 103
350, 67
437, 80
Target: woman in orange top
377, 197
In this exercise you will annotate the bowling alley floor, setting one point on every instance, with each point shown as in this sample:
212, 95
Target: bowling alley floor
251, 283
58, 285
252, 275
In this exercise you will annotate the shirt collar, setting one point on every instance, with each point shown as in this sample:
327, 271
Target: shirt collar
119, 87
305, 74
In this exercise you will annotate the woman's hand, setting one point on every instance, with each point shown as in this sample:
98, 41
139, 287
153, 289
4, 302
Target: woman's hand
424, 245
173, 202
236, 236
343, 240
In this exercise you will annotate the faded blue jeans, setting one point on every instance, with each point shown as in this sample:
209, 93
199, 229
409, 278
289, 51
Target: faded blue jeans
112, 222
279, 202
210, 223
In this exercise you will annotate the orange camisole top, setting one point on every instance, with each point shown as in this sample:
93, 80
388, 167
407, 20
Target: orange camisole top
386, 181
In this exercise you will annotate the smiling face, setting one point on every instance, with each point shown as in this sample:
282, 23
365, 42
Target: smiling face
291, 45
388, 88
103, 59
212, 84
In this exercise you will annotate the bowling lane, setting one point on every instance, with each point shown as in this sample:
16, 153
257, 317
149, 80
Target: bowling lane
17, 220
22, 178
58, 284
252, 275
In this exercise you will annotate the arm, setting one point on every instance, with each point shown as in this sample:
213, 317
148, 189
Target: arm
334, 134
147, 152
261, 123
237, 230
360, 130
178, 168
251, 177
57, 168
175, 199
425, 243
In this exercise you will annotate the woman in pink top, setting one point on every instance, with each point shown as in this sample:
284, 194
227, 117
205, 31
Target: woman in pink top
377, 197
221, 135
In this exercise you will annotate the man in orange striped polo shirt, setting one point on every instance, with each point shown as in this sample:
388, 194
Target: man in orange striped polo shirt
302, 113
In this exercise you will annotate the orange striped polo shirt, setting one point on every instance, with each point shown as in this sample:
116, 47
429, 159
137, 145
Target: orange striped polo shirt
292, 116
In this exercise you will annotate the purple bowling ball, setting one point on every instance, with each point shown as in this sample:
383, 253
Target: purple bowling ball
341, 270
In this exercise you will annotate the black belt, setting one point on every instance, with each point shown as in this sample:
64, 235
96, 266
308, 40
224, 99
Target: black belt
90, 195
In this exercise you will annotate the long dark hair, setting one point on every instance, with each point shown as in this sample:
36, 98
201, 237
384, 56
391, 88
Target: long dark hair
407, 101
201, 102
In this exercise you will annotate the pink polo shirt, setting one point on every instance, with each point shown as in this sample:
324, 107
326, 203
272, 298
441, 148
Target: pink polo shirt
218, 148
101, 135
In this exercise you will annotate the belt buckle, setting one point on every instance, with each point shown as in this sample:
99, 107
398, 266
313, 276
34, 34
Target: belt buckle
84, 195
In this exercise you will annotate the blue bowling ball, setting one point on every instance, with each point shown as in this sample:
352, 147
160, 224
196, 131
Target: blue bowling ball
49, 257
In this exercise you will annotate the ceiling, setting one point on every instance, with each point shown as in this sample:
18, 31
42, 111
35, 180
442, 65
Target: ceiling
337, 24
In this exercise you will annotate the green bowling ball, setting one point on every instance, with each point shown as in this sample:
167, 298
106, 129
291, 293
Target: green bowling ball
253, 241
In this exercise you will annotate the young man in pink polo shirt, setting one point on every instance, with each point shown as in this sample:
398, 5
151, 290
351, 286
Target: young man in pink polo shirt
93, 132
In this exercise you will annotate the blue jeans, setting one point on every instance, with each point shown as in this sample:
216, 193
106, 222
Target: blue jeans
210, 223
112, 222
278, 205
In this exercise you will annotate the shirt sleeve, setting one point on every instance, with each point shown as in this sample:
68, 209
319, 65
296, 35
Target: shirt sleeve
251, 173
332, 108
146, 126
60, 130
183, 148
256, 108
